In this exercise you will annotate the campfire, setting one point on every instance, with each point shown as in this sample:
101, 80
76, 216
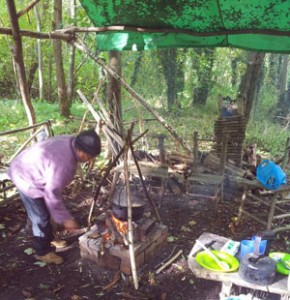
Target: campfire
107, 243
121, 226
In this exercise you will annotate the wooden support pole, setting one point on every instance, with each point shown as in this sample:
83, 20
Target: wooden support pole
286, 154
144, 186
113, 163
128, 145
223, 163
195, 150
25, 128
271, 212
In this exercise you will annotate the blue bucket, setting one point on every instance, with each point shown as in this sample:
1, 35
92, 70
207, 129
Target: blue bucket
270, 175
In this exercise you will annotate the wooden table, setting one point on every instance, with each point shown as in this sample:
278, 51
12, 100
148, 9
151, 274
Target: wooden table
228, 279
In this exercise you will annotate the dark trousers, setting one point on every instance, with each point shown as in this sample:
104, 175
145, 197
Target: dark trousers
39, 216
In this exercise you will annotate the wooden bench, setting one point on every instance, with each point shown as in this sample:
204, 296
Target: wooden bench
229, 279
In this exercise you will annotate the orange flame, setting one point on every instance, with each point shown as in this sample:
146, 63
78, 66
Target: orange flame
106, 236
121, 226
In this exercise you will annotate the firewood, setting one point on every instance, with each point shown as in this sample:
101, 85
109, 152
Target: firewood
169, 262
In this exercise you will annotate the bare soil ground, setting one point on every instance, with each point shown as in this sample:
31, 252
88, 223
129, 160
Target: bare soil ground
76, 279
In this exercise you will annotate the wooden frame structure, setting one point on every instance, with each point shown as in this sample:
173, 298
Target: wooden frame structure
41, 131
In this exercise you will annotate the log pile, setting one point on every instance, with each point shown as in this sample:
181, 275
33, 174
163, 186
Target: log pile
232, 130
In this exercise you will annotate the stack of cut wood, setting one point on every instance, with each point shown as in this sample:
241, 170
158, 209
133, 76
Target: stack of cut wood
231, 129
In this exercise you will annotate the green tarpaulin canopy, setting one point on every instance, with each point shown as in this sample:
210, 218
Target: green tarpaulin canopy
260, 25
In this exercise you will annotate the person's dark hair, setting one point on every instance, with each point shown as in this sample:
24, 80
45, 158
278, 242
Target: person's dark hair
89, 142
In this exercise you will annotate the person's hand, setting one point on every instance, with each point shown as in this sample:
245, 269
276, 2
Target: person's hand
71, 224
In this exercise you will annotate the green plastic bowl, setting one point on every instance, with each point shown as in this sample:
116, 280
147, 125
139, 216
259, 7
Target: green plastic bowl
280, 256
206, 261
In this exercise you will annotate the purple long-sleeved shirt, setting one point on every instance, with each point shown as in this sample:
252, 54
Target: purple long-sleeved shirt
44, 170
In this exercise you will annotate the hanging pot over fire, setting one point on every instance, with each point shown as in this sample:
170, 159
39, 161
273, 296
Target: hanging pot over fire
119, 203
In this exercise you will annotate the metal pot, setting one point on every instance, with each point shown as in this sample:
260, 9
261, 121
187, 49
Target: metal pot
260, 271
119, 203
257, 269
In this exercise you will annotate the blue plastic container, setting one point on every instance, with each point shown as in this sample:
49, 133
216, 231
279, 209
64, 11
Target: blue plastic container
270, 175
247, 247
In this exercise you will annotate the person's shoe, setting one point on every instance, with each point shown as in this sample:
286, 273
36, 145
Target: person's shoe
59, 244
50, 258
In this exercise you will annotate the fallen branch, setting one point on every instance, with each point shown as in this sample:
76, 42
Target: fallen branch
127, 295
59, 287
169, 262
114, 281
162, 263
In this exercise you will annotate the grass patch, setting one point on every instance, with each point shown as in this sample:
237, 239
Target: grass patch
269, 137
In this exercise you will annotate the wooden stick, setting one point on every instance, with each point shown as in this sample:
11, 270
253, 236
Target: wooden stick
114, 281
25, 128
87, 111
134, 94
170, 261
129, 211
113, 163
162, 263
144, 186
286, 154
25, 144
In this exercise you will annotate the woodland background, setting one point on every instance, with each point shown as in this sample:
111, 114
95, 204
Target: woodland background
183, 85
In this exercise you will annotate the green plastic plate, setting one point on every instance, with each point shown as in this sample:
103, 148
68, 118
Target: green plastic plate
206, 261
280, 268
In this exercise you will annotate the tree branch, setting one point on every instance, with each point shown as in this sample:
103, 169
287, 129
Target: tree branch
68, 34
27, 8
121, 28
40, 35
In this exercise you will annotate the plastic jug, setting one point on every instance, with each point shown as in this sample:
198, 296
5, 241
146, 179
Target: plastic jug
270, 175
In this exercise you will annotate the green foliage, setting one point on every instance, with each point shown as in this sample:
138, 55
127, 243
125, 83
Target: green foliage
13, 116
269, 137
228, 68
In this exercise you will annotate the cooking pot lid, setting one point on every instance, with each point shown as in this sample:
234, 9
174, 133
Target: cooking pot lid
120, 196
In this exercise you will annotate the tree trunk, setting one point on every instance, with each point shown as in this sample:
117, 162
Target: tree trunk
248, 86
283, 75
17, 89
273, 68
49, 88
114, 91
18, 58
62, 94
136, 68
283, 105
70, 85
39, 53
204, 74
234, 67
31, 76
168, 60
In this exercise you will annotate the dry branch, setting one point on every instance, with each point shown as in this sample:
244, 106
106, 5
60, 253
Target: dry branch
69, 33
27, 8
173, 30
170, 261
39, 35
114, 281
134, 94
